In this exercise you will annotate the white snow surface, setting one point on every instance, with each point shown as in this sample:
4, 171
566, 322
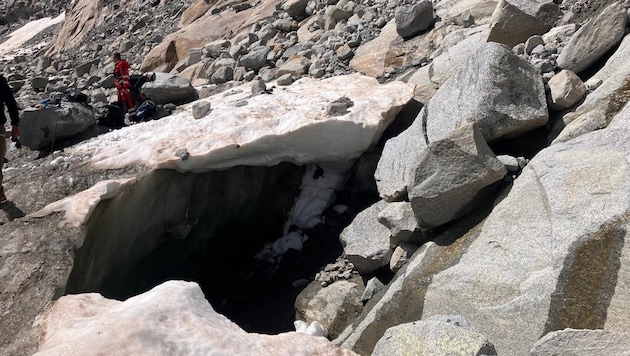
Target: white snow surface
317, 193
79, 207
289, 125
26, 32
312, 329
173, 318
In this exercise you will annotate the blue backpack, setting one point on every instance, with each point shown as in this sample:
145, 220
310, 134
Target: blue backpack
145, 111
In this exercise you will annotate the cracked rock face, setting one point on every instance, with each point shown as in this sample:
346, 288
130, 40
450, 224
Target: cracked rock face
449, 174
502, 92
531, 289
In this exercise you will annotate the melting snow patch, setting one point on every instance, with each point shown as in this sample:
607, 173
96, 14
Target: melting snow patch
79, 207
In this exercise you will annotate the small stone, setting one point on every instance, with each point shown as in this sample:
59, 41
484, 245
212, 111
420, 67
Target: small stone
372, 287
258, 86
344, 52
286, 79
339, 106
467, 19
519, 49
593, 84
182, 153
540, 51
200, 109
532, 42
510, 162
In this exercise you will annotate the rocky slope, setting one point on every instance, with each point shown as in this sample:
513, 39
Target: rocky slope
502, 204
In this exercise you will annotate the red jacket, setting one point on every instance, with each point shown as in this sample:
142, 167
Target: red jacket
121, 74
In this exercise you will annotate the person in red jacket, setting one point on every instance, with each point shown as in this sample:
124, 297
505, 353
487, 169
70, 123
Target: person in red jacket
121, 80
7, 98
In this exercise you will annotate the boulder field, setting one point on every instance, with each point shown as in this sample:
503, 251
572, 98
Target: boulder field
432, 178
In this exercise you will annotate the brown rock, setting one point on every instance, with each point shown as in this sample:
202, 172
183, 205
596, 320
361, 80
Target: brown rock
82, 17
208, 28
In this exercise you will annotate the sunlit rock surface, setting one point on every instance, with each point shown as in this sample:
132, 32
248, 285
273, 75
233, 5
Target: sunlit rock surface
539, 264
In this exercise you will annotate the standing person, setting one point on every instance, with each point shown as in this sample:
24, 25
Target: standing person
121, 80
7, 98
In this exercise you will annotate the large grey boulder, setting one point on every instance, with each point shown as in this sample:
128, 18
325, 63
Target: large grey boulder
169, 88
403, 300
285, 79
334, 306
565, 89
572, 342
432, 337
295, 8
40, 127
500, 91
429, 78
600, 106
594, 39
413, 19
365, 241
388, 52
514, 21
449, 175
396, 164
553, 253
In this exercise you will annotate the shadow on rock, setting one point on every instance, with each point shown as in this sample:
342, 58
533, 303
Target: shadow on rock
11, 211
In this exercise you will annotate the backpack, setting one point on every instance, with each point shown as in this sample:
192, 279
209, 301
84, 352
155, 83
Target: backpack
146, 110
114, 118
76, 96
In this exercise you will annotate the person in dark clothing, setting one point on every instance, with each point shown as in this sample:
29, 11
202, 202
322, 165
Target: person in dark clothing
137, 81
145, 108
7, 99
